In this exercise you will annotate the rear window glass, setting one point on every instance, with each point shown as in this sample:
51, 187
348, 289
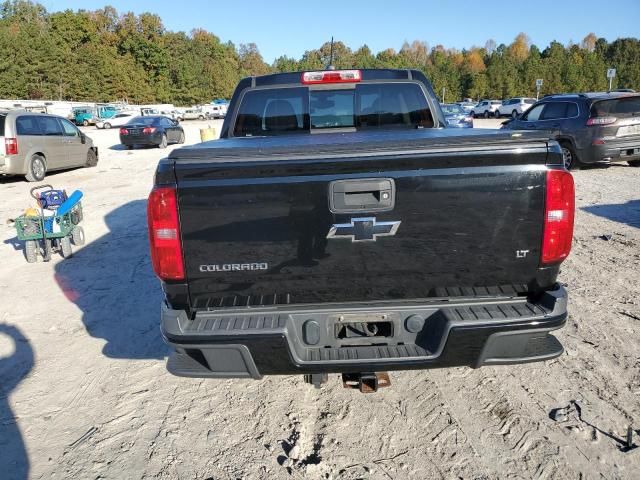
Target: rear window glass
2, 117
273, 112
400, 105
143, 121
619, 106
555, 110
332, 109
27, 125
298, 109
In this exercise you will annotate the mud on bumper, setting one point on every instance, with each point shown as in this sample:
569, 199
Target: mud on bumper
250, 343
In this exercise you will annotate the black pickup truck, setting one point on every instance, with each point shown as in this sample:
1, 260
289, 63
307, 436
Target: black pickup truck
337, 226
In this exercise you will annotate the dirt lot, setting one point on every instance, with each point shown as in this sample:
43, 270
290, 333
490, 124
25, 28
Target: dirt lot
84, 392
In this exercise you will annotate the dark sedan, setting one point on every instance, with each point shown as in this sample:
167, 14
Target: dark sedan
151, 130
456, 116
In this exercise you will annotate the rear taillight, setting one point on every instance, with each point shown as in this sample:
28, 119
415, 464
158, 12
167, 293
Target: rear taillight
332, 76
11, 146
601, 120
164, 234
148, 130
124, 131
558, 217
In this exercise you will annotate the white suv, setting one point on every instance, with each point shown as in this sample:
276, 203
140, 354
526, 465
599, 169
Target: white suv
485, 108
514, 107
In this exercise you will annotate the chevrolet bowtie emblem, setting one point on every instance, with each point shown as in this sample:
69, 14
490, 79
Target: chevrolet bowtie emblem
363, 229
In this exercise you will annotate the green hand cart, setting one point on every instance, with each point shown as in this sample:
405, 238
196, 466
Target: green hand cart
43, 235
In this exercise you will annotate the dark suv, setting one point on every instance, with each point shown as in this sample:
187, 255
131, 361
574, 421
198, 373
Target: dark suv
590, 127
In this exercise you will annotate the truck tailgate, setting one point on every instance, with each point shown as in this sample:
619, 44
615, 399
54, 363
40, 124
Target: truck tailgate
255, 214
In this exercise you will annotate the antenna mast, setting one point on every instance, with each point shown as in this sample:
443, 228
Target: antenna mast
330, 66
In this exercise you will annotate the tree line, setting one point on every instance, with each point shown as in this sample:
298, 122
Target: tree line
104, 55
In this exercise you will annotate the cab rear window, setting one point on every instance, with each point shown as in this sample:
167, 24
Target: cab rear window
278, 111
618, 106
2, 117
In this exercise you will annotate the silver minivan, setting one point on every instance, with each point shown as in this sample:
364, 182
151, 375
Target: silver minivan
35, 143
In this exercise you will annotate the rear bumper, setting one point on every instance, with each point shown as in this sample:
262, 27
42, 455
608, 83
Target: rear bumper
616, 150
12, 165
153, 139
250, 343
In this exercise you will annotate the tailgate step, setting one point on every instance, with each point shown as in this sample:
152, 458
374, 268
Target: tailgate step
365, 352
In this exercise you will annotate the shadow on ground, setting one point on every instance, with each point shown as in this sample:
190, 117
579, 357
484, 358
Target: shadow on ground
120, 147
50, 177
110, 279
627, 213
14, 462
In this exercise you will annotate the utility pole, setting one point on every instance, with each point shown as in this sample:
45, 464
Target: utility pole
611, 73
538, 86
443, 92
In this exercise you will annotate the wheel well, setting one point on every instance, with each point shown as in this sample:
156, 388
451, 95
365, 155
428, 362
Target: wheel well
41, 155
566, 140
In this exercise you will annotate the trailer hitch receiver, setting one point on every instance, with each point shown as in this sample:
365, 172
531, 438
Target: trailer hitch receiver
366, 382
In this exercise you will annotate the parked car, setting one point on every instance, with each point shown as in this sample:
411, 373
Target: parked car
155, 130
37, 143
366, 248
455, 116
215, 111
485, 108
172, 114
514, 107
467, 106
105, 111
84, 116
193, 114
590, 127
117, 120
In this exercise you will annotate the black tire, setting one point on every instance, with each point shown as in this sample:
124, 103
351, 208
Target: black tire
92, 158
85, 123
634, 163
201, 117
31, 251
472, 114
486, 114
107, 125
129, 147
181, 138
65, 247
496, 114
163, 142
514, 114
77, 236
48, 251
36, 170
569, 156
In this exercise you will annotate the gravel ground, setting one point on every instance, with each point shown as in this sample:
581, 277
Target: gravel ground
84, 392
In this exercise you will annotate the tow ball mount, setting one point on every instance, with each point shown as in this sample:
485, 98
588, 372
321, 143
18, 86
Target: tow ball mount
366, 382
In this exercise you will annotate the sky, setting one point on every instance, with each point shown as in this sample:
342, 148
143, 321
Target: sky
292, 27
